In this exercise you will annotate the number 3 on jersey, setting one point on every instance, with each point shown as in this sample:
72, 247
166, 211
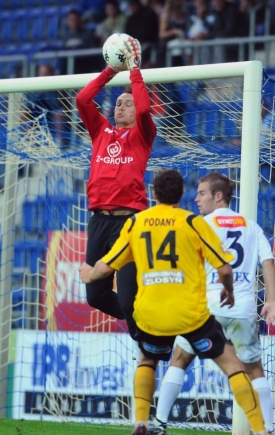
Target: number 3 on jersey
236, 246
169, 243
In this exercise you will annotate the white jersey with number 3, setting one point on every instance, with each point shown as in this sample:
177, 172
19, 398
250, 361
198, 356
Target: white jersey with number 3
246, 241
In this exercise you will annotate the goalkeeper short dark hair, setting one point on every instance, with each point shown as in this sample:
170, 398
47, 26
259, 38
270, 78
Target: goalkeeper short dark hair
168, 186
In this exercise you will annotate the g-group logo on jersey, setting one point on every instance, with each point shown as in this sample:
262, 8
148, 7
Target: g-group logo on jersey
114, 158
114, 149
229, 221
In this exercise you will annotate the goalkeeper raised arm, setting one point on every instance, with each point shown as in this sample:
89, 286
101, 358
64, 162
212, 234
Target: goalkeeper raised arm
115, 187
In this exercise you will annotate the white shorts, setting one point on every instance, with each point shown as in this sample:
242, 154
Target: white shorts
184, 344
244, 335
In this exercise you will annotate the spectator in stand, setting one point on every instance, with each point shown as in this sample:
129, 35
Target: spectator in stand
157, 6
142, 24
198, 30
79, 37
93, 11
272, 16
244, 7
225, 23
48, 103
257, 26
113, 23
260, 14
172, 28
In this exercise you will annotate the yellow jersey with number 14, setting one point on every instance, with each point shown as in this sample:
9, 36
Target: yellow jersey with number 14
168, 245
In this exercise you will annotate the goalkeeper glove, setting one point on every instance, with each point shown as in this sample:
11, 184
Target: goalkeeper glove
132, 52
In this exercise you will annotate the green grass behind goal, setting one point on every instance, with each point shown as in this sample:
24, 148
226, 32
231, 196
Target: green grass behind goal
34, 427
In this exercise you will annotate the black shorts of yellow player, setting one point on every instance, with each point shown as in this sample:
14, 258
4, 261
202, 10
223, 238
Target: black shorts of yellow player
208, 341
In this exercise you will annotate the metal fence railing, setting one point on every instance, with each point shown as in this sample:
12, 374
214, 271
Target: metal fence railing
247, 49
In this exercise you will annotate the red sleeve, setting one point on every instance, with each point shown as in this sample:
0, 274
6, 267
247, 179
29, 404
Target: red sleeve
142, 103
88, 111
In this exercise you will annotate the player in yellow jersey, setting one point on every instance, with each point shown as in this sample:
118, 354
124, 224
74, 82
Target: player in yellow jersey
169, 246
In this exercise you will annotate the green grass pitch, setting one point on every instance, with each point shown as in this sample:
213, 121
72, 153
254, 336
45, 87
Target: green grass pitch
35, 427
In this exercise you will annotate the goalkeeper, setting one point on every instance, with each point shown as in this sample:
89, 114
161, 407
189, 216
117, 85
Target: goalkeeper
115, 187
169, 246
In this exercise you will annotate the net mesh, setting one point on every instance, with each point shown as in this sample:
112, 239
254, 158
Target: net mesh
68, 361
196, 122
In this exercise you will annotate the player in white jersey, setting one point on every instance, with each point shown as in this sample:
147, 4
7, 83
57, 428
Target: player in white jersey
246, 240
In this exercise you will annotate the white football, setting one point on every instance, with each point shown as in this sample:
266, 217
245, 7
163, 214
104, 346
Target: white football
111, 50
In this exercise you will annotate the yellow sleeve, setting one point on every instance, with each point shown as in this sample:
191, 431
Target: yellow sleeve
211, 244
121, 253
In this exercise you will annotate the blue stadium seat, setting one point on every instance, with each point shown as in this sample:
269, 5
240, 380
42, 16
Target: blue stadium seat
2, 71
211, 120
270, 71
9, 49
202, 119
95, 5
27, 253
185, 92
37, 24
26, 48
34, 217
208, 120
149, 177
59, 209
192, 121
52, 21
32, 3
13, 69
189, 177
52, 213
8, 67
188, 199
20, 25
66, 8
47, 2
229, 126
19, 298
6, 26
16, 3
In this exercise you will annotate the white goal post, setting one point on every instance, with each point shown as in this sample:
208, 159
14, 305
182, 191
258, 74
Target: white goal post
29, 150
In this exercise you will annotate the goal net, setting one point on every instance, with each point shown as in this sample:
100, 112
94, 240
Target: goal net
59, 358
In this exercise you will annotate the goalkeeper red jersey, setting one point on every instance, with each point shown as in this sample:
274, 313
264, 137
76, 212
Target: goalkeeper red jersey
119, 156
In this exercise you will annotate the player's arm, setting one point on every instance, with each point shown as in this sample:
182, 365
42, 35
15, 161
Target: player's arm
226, 278
119, 255
87, 109
132, 52
99, 271
144, 119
